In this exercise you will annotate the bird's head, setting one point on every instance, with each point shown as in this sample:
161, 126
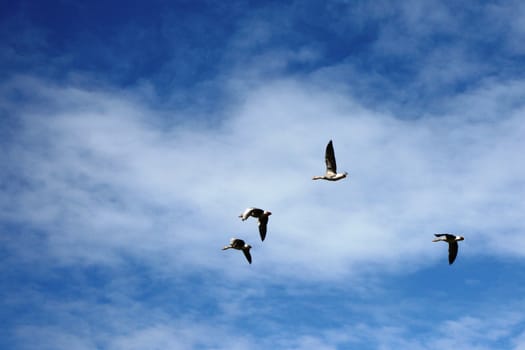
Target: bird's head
247, 247
267, 213
460, 238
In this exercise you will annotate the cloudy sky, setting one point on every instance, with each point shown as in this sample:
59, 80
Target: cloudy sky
133, 135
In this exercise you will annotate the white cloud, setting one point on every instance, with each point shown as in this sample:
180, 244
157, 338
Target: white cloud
44, 337
96, 177
103, 178
136, 326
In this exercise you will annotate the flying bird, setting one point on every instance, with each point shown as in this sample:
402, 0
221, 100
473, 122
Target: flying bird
331, 166
262, 218
452, 241
239, 244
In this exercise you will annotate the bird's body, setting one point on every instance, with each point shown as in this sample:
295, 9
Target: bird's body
262, 219
331, 166
452, 241
255, 212
239, 244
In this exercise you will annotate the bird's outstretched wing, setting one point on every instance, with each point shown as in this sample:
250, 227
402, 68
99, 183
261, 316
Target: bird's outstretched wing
329, 157
247, 255
263, 224
452, 252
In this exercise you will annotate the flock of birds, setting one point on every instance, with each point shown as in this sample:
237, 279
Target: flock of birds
331, 174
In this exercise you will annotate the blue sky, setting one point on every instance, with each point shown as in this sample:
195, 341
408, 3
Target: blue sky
133, 135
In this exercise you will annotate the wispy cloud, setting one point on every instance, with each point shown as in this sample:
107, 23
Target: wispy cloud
128, 323
120, 185
104, 177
